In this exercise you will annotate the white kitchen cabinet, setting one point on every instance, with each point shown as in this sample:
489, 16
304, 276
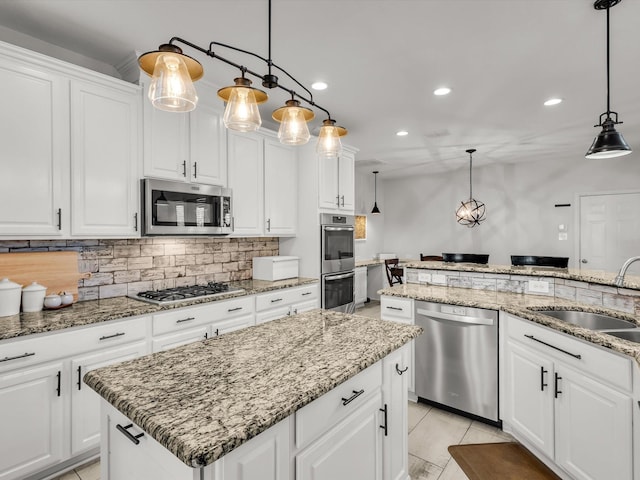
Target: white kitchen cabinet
177, 339
34, 149
33, 427
569, 401
105, 133
280, 303
337, 185
188, 147
280, 188
228, 325
85, 403
401, 310
360, 293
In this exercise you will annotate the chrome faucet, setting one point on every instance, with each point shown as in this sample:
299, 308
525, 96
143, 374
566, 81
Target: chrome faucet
620, 277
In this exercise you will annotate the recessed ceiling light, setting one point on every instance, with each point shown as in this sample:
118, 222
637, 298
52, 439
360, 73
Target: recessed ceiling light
442, 91
402, 133
553, 101
319, 86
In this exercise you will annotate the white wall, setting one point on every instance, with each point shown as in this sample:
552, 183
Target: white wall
372, 246
419, 211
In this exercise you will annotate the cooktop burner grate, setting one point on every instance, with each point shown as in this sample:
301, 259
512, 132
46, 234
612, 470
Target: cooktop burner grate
180, 294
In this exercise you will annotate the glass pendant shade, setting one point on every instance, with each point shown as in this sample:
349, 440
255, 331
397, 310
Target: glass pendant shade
293, 123
241, 113
609, 143
329, 144
171, 87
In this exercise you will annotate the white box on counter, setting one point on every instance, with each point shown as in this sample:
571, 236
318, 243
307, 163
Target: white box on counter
275, 268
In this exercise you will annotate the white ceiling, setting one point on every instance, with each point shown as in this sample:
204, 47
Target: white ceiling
383, 59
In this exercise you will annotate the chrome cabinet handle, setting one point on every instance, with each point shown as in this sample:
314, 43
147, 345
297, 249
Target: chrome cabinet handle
356, 394
338, 200
7, 359
105, 337
574, 355
184, 168
400, 372
59, 219
195, 169
188, 319
268, 225
135, 221
128, 434
343, 200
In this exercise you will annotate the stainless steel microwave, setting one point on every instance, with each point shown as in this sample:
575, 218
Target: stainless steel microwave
176, 208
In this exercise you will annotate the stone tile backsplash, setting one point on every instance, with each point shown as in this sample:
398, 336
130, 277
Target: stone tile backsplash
127, 266
620, 299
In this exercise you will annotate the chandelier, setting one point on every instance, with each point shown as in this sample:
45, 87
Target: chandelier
471, 212
172, 89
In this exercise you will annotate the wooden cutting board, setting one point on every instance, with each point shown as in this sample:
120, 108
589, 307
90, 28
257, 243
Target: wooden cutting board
58, 271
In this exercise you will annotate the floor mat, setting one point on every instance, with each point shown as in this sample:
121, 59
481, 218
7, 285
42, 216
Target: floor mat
500, 461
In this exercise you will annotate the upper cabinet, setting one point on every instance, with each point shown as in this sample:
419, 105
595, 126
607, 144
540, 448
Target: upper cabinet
188, 147
336, 190
69, 149
280, 188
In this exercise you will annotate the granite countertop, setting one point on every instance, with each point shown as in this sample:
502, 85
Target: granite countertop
589, 276
96, 311
376, 261
524, 306
202, 400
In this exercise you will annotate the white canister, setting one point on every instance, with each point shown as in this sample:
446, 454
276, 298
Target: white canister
9, 298
33, 297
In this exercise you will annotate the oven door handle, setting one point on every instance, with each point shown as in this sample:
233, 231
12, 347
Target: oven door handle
455, 318
339, 229
330, 278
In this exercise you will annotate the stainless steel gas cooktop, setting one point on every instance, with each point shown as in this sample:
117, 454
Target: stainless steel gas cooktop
180, 294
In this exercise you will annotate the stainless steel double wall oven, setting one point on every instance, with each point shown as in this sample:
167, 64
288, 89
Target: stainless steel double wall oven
338, 262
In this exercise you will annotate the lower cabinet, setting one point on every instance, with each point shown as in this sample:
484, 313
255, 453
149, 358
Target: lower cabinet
280, 303
567, 409
401, 310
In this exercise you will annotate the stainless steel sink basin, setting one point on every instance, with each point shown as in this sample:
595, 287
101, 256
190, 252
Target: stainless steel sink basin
633, 335
592, 321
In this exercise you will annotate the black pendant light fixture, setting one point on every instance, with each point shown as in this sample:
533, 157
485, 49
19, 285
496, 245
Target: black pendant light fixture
609, 143
375, 209
471, 212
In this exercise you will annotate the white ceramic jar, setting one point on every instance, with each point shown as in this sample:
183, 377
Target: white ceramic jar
9, 298
52, 301
33, 297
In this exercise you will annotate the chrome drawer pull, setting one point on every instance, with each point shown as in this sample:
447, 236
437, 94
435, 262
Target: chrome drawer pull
356, 394
128, 434
234, 309
6, 359
400, 372
574, 355
188, 319
276, 300
306, 293
105, 337
394, 308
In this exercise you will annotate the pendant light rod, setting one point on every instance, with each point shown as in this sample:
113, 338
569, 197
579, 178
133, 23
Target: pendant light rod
470, 152
608, 88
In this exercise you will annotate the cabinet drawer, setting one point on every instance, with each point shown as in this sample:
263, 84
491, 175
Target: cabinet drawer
395, 308
229, 308
610, 366
304, 294
286, 296
324, 412
31, 351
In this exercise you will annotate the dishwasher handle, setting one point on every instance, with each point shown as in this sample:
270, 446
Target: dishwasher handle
455, 318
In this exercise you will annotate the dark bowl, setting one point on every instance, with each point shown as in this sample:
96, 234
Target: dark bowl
465, 258
533, 260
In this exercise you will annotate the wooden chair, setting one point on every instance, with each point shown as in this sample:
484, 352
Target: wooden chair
394, 272
430, 258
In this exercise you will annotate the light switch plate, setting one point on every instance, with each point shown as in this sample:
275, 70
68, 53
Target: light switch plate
538, 286
424, 277
438, 279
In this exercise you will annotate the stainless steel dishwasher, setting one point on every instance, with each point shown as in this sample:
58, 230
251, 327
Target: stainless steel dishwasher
457, 358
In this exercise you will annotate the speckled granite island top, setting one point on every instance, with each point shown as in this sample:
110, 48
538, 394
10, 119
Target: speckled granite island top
202, 400
523, 306
96, 311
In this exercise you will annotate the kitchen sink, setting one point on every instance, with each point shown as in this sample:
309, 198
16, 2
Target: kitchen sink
633, 335
592, 321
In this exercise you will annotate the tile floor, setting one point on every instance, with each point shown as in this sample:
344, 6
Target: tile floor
431, 431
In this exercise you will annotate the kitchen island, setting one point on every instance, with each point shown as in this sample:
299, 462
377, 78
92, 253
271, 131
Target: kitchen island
327, 376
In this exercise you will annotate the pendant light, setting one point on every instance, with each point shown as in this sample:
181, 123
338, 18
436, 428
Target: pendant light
241, 113
293, 123
609, 143
471, 212
329, 144
172, 76
375, 209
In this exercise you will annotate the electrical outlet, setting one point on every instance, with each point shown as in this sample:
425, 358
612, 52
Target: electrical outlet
424, 277
438, 279
536, 286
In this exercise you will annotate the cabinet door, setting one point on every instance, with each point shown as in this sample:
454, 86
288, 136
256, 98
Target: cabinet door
396, 372
265, 457
173, 340
32, 434
280, 188
105, 151
594, 438
361, 286
208, 145
85, 402
34, 151
166, 142
529, 396
328, 187
246, 174
346, 181
350, 451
